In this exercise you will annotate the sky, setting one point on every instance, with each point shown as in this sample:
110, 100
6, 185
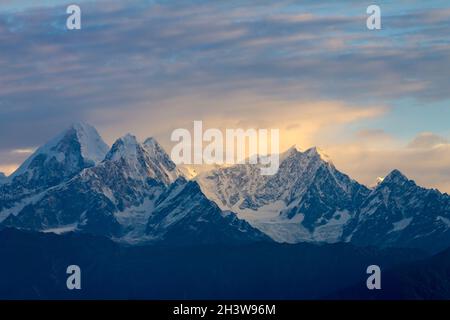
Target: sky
373, 100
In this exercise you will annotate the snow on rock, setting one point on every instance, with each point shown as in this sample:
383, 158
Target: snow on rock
400, 213
308, 199
306, 185
62, 229
183, 215
143, 161
79, 143
57, 161
135, 194
93, 148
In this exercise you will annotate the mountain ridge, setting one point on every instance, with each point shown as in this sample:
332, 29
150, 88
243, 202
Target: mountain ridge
136, 189
118, 196
310, 200
58, 160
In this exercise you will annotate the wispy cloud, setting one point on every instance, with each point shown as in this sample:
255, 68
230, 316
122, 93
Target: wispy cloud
23, 151
150, 66
424, 159
427, 140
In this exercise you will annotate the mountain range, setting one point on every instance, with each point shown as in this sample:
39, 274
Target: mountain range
308, 199
134, 194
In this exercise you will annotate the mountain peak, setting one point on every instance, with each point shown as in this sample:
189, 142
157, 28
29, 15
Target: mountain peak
157, 153
81, 126
311, 153
93, 148
294, 148
80, 143
152, 145
150, 141
125, 147
143, 160
129, 139
317, 152
292, 151
395, 177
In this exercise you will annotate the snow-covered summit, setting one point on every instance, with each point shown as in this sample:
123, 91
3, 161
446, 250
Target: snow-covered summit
153, 147
93, 147
78, 146
143, 160
157, 152
395, 177
71, 151
316, 152
125, 148
298, 203
135, 190
292, 151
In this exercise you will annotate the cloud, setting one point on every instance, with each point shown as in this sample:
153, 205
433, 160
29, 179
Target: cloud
313, 70
424, 159
300, 122
11, 159
372, 134
23, 151
427, 140
127, 55
8, 169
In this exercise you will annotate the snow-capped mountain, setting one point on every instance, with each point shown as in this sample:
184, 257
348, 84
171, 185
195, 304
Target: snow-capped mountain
161, 158
400, 213
73, 150
142, 161
134, 193
76, 148
183, 214
306, 200
124, 195
126, 178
